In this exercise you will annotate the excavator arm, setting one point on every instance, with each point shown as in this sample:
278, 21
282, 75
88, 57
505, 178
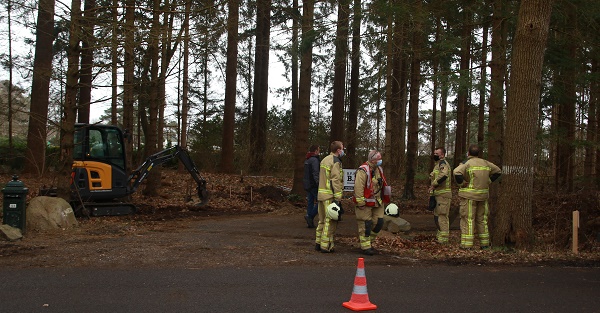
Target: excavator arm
140, 174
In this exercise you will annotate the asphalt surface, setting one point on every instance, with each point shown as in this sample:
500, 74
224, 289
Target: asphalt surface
301, 289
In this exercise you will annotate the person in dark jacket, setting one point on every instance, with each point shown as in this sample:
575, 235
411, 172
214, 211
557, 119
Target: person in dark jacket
311, 183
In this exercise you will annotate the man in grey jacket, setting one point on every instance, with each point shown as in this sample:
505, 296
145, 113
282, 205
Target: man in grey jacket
311, 183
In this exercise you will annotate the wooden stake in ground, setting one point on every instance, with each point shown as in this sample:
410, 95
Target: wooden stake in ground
575, 231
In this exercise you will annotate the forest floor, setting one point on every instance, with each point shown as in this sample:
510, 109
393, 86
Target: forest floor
254, 221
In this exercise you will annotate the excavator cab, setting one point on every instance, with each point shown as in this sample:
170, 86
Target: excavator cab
99, 170
100, 176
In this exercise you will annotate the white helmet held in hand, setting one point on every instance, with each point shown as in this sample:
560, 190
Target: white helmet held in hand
333, 211
392, 210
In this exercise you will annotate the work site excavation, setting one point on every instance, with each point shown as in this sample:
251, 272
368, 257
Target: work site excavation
255, 221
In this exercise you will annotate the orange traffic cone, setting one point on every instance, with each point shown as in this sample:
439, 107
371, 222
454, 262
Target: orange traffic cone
359, 301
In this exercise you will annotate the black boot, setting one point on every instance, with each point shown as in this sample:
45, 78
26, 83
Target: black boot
368, 251
309, 221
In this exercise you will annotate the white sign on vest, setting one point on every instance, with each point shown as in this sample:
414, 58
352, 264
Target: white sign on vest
349, 179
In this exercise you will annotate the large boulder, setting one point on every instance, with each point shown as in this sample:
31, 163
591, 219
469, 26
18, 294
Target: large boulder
47, 213
395, 224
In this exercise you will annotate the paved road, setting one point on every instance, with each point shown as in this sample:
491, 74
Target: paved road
300, 289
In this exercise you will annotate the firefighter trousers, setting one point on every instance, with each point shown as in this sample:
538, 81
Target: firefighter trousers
326, 228
440, 214
474, 217
369, 221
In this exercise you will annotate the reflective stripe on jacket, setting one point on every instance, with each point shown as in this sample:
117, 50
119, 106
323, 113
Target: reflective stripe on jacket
331, 175
476, 174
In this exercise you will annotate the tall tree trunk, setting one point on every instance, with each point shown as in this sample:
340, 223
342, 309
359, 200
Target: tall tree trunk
403, 100
462, 108
443, 107
128, 78
595, 94
413, 106
390, 112
73, 54
88, 42
482, 89
294, 56
227, 150
70, 104
10, 82
40, 89
114, 67
339, 76
186, 81
303, 108
297, 186
151, 133
445, 89
567, 104
496, 102
435, 68
592, 127
258, 139
514, 218
396, 105
351, 141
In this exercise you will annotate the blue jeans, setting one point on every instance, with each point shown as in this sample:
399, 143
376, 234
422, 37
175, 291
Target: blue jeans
312, 208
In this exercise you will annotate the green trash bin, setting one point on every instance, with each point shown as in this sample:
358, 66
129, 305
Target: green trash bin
15, 195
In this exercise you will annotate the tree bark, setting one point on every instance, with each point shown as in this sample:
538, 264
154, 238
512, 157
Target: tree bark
10, 82
462, 108
186, 81
592, 127
302, 114
436, 85
88, 42
390, 112
339, 76
351, 140
227, 151
258, 139
482, 89
294, 56
151, 133
128, 78
70, 105
413, 106
40, 89
445, 88
514, 218
567, 99
114, 67
496, 102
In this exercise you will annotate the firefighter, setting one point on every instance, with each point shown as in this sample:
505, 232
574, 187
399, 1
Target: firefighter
368, 186
331, 185
440, 189
474, 176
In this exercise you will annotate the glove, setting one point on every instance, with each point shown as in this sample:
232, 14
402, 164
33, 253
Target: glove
432, 203
341, 212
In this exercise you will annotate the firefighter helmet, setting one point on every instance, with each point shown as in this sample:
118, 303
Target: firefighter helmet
333, 211
392, 210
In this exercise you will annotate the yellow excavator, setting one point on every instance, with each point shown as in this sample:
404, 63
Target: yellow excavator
100, 176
